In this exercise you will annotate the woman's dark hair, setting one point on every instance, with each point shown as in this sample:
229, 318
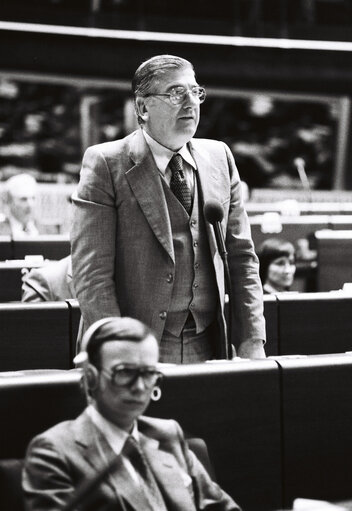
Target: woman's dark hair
272, 249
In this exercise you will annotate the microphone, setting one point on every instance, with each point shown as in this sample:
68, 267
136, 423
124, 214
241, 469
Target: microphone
300, 164
214, 213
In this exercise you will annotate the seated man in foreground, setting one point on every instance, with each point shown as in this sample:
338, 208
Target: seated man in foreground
153, 468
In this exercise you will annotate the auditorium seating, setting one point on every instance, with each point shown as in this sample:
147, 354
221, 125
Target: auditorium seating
275, 429
293, 228
35, 336
11, 273
334, 250
316, 396
50, 246
43, 335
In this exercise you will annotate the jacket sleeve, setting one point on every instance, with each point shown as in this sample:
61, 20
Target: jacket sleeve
247, 294
207, 493
93, 236
46, 482
35, 288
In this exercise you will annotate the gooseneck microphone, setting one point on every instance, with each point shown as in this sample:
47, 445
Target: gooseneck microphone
214, 213
300, 165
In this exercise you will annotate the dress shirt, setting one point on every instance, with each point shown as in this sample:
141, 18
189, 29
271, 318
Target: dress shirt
162, 156
115, 436
18, 229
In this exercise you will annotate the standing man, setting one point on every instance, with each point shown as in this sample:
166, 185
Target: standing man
140, 244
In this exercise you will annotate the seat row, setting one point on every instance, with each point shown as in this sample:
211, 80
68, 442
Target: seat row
275, 429
43, 335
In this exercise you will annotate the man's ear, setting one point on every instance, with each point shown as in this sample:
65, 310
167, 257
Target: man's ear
141, 108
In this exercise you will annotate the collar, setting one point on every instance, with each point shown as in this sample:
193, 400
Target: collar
115, 436
162, 155
17, 228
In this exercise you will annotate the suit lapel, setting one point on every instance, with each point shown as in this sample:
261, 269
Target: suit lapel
167, 473
98, 454
209, 187
144, 180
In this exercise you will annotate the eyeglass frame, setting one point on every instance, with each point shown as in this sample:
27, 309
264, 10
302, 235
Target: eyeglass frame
186, 91
139, 372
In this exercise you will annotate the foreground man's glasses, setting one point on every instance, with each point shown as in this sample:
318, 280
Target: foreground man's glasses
177, 95
124, 375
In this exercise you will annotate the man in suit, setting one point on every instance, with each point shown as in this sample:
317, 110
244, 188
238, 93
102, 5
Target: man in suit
140, 244
52, 282
19, 199
152, 467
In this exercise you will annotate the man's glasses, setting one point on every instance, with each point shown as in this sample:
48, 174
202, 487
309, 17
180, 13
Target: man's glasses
124, 375
177, 95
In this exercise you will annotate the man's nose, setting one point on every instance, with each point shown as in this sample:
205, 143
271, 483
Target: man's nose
190, 99
139, 384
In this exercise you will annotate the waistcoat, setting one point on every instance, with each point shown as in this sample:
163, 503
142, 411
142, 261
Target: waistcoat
194, 283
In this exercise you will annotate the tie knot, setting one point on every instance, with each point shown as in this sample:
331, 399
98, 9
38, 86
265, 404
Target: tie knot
176, 163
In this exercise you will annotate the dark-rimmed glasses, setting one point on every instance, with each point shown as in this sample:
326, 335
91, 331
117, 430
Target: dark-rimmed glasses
125, 375
177, 95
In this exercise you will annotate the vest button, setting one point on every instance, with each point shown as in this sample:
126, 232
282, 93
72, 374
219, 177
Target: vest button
196, 266
195, 243
169, 278
193, 223
191, 306
195, 285
163, 315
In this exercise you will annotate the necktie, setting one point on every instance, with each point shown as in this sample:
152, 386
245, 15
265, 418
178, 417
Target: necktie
134, 453
178, 184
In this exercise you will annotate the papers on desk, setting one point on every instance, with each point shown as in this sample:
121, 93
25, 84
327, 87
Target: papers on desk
317, 505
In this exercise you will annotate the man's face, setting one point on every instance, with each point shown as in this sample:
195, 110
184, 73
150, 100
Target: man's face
172, 125
22, 203
123, 404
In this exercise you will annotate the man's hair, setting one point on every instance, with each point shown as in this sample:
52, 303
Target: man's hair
146, 76
271, 249
115, 329
15, 181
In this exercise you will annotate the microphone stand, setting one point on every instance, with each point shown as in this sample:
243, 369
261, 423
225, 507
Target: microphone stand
223, 253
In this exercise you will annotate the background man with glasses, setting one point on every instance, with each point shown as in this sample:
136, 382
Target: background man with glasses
152, 467
140, 244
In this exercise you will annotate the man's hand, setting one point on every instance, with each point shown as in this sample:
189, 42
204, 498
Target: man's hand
251, 349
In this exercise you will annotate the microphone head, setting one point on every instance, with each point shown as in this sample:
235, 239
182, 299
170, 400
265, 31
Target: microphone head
213, 211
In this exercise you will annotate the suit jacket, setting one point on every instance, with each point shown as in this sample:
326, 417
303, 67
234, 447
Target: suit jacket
52, 282
122, 247
72, 452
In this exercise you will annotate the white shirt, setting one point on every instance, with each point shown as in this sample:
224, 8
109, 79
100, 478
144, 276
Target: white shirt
162, 156
115, 436
18, 229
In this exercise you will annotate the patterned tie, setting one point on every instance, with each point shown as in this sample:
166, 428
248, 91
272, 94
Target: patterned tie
178, 183
132, 450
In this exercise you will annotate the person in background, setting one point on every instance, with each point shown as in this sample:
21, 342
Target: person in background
277, 265
152, 467
52, 282
20, 193
140, 243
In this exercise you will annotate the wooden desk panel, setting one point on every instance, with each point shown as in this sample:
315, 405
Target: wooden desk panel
34, 336
234, 407
317, 425
314, 323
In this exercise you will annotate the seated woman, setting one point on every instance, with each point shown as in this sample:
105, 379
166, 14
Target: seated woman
277, 265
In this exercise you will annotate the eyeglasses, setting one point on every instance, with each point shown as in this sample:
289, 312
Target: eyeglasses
124, 375
177, 95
